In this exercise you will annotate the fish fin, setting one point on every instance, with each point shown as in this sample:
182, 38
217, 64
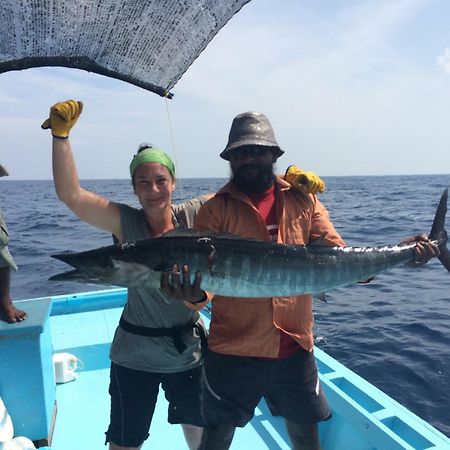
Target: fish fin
63, 256
444, 257
322, 296
439, 233
189, 232
74, 275
366, 281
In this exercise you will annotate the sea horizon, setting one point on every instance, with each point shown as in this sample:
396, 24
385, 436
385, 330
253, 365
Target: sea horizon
10, 178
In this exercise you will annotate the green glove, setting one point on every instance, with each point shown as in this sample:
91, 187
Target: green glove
63, 116
307, 182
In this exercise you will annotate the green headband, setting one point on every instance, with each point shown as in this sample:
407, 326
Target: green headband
152, 155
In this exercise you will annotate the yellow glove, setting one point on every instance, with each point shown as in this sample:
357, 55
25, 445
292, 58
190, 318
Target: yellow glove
307, 182
63, 116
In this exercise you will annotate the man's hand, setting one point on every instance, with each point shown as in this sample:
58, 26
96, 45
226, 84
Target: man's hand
63, 116
307, 182
424, 251
178, 285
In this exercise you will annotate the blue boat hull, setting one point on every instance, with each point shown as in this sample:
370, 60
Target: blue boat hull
363, 417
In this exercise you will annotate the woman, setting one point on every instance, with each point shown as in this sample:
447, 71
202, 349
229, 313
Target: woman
145, 351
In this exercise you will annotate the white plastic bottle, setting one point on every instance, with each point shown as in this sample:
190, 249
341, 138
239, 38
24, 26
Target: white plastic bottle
6, 426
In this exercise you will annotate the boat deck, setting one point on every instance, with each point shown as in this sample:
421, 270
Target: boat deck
83, 404
364, 418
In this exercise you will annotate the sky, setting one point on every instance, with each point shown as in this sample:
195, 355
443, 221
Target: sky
350, 87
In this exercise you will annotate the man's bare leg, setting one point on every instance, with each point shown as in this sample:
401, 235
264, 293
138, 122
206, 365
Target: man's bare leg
303, 437
8, 312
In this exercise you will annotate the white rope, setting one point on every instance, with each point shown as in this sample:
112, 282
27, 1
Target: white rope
172, 140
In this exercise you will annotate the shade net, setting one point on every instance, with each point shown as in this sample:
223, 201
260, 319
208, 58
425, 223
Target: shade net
149, 43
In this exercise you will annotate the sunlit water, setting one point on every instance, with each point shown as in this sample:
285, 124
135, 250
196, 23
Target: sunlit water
394, 332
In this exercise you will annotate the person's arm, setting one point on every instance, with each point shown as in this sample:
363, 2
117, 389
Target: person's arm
322, 231
88, 206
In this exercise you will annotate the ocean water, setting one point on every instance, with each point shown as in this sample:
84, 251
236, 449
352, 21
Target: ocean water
394, 332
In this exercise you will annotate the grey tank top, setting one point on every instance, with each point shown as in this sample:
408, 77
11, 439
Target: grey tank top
150, 308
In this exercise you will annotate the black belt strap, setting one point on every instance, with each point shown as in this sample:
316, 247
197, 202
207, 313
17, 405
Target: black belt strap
174, 332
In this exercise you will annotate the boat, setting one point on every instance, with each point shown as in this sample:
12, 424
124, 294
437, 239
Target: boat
73, 415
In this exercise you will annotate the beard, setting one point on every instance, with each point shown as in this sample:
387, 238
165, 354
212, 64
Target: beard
253, 177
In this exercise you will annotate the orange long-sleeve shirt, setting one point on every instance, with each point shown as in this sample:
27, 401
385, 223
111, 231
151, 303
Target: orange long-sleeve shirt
248, 326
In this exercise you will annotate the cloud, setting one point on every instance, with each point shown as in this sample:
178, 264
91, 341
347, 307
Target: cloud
444, 60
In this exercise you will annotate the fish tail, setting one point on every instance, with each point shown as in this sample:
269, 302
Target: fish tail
71, 275
438, 232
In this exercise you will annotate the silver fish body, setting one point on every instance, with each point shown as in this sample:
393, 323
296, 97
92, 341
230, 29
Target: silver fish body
241, 267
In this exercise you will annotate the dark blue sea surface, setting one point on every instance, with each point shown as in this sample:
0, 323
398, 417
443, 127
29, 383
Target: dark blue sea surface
394, 332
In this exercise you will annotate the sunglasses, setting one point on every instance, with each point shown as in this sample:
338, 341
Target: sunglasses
252, 151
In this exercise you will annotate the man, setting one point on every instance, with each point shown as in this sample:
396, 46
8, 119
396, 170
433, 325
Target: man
8, 312
264, 347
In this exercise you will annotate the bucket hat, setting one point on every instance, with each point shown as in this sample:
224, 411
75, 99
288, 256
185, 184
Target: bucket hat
251, 128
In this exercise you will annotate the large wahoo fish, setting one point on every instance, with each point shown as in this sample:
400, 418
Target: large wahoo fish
245, 268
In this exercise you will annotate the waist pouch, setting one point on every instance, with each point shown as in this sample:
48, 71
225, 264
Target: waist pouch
174, 332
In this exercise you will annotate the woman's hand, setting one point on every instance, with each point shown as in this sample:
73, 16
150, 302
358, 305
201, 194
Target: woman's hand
178, 285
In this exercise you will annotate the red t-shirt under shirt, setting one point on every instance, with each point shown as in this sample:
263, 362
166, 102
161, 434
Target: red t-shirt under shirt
265, 203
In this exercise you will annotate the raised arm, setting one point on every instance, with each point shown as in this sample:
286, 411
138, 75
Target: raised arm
88, 206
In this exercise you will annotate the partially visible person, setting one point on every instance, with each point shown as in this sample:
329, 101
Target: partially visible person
263, 347
8, 312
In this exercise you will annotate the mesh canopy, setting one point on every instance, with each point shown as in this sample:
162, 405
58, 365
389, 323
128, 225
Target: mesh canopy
149, 43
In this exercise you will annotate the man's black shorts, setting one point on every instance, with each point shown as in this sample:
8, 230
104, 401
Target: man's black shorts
133, 399
234, 385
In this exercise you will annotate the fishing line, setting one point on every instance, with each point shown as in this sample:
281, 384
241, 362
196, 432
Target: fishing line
172, 139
